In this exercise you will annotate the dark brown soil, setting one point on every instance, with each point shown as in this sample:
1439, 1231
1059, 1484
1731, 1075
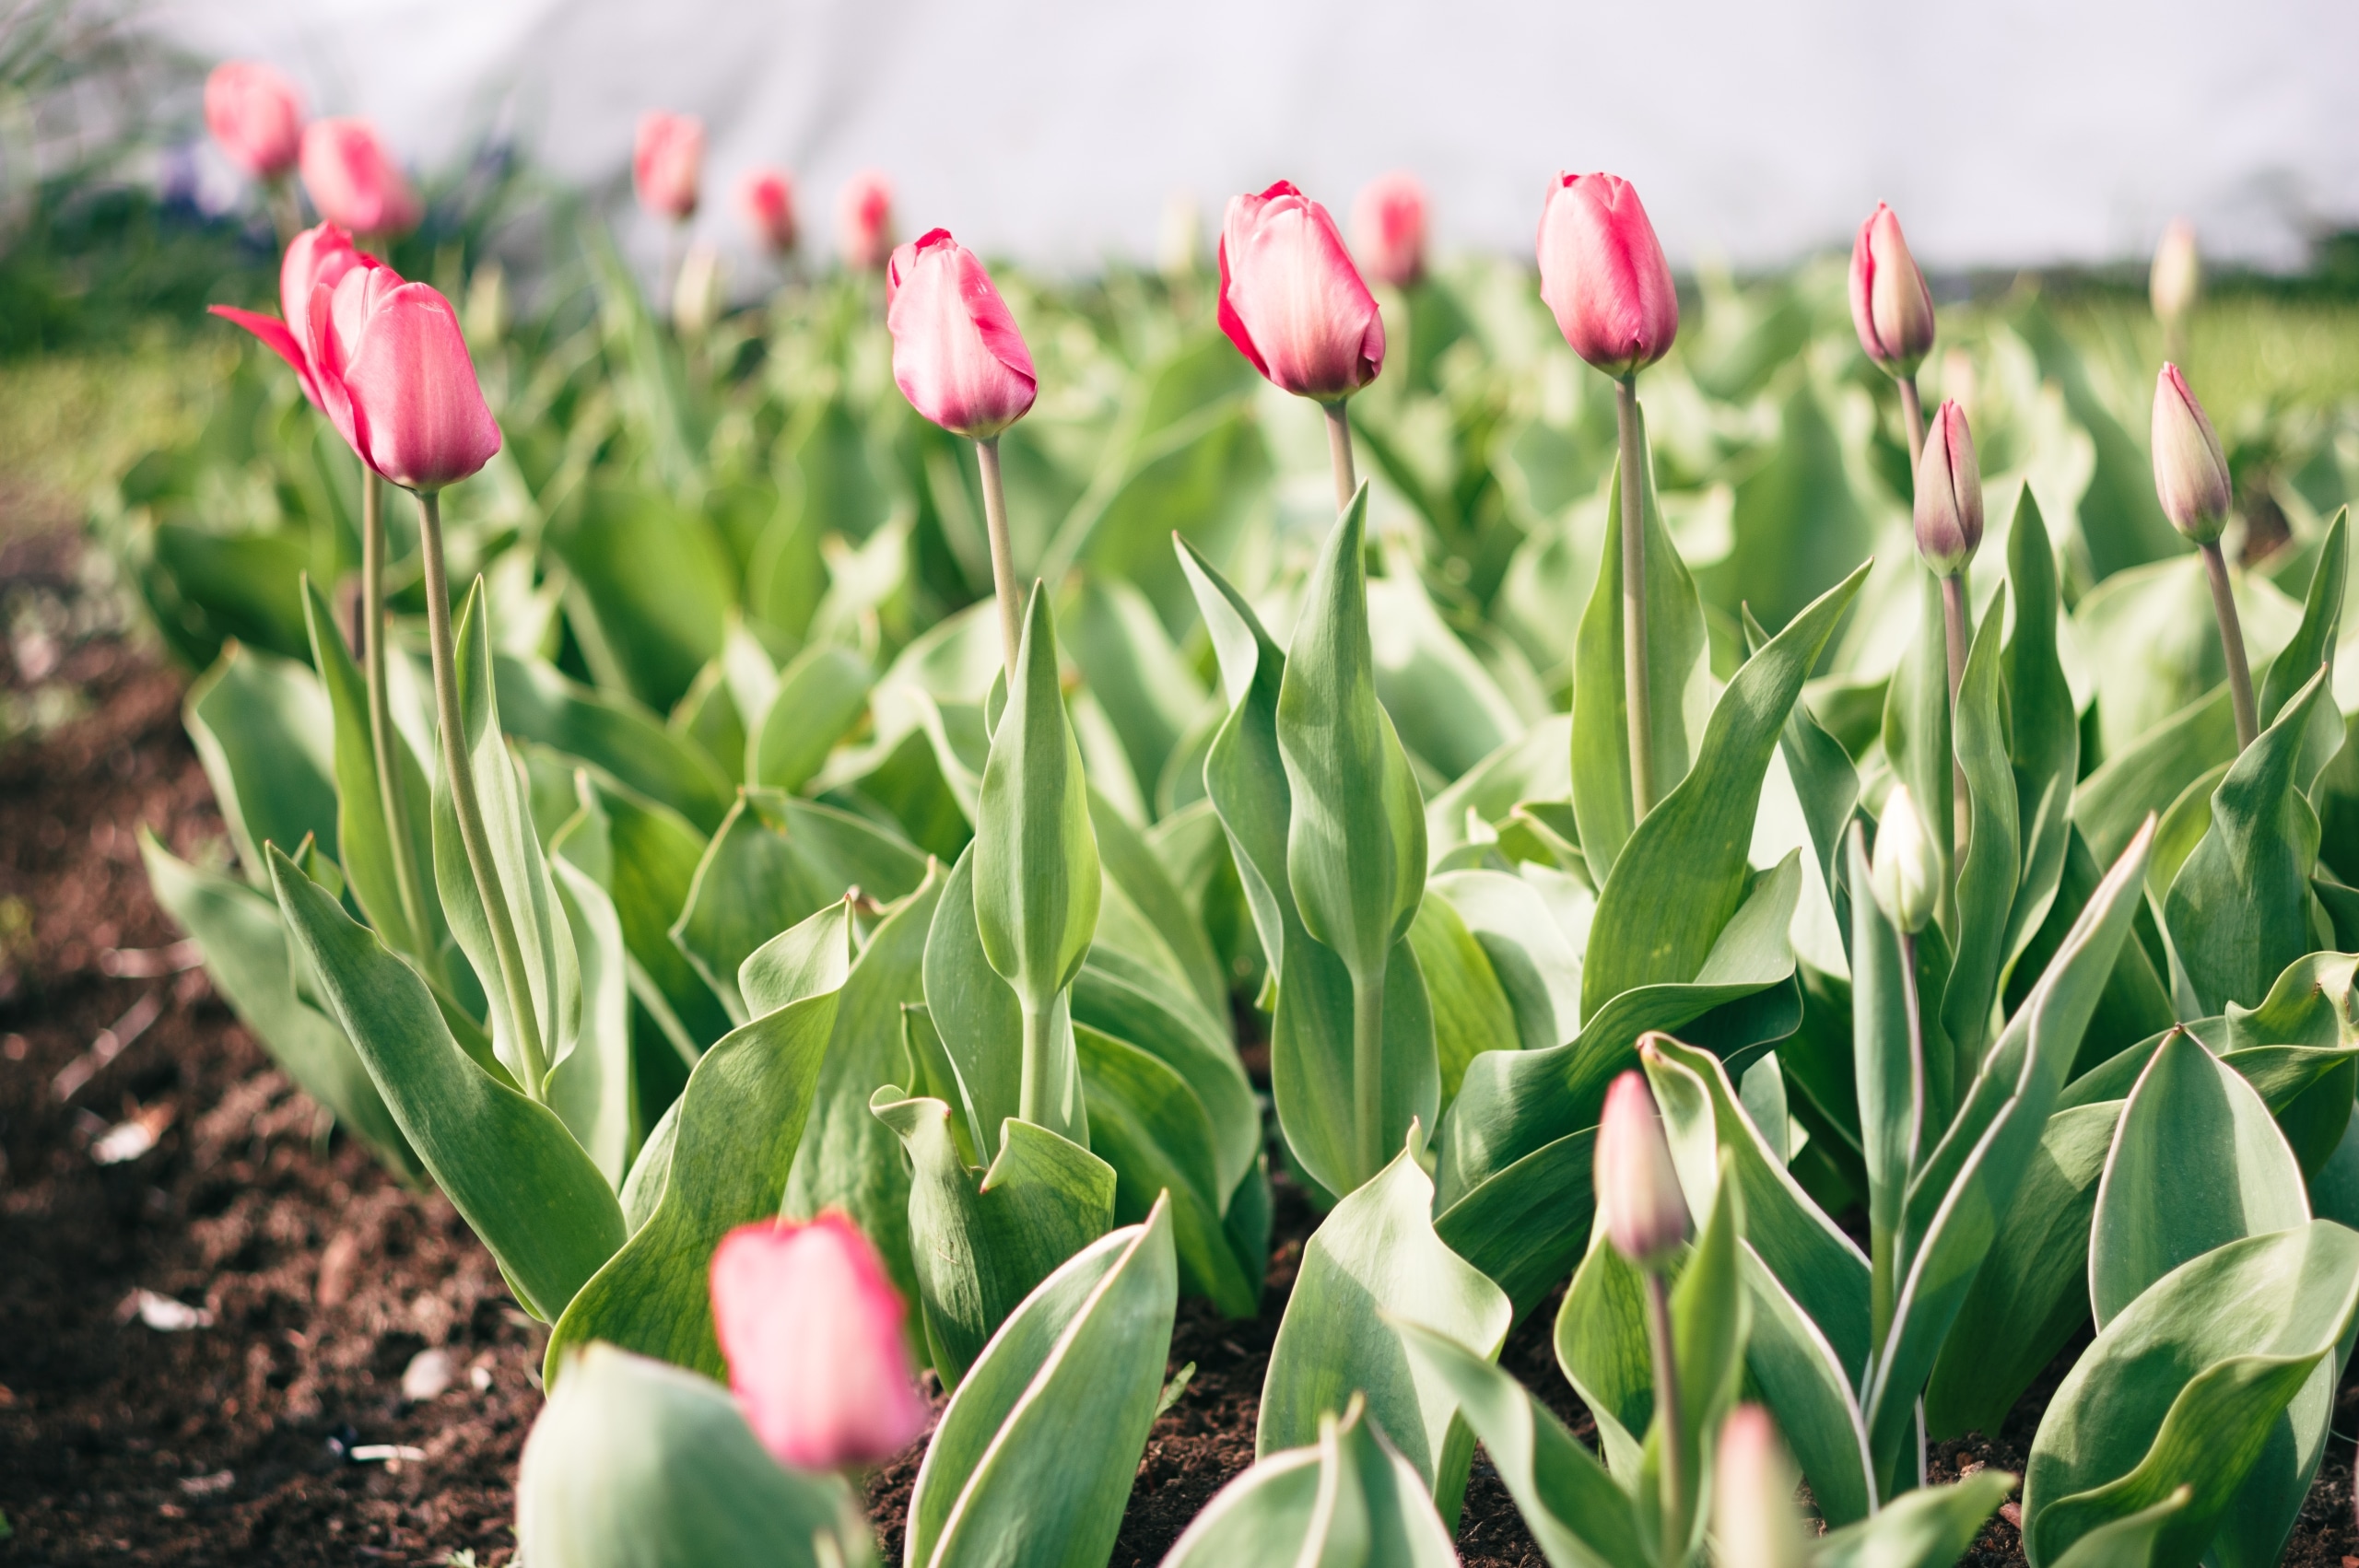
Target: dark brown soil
232, 1443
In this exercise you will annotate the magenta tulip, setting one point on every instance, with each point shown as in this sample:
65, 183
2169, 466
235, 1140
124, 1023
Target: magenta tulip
1603, 272
2190, 470
812, 1332
1949, 494
354, 181
1639, 1198
766, 198
957, 355
864, 220
256, 115
665, 162
1891, 307
319, 257
394, 375
1388, 229
1291, 300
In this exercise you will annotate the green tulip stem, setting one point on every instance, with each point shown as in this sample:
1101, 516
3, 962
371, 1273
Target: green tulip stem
1011, 600
1912, 418
1633, 601
463, 803
1339, 452
1954, 628
390, 795
1667, 1412
1040, 1040
2231, 643
1368, 1071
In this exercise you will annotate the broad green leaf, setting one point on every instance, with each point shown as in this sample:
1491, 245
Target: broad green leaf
1534, 765
1931, 1527
2129, 1541
591, 1085
1118, 996
1452, 712
264, 731
2044, 731
656, 853
1799, 1374
2146, 777
1470, 1008
1711, 1318
1920, 741
614, 732
2160, 641
1033, 1459
1535, 967
1525, 1226
2134, 1005
1888, 1056
819, 696
975, 1015
1148, 691
2312, 646
1602, 1346
1139, 876
653, 585
1987, 872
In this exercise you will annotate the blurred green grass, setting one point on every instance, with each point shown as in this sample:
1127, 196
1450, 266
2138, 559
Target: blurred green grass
72, 421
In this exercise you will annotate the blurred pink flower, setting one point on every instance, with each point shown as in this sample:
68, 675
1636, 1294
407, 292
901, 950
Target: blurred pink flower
665, 163
257, 116
864, 220
1603, 272
1891, 307
1388, 229
1291, 300
957, 355
765, 197
354, 181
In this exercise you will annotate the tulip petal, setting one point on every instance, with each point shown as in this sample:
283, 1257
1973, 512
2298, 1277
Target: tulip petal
419, 412
281, 341
957, 355
1292, 299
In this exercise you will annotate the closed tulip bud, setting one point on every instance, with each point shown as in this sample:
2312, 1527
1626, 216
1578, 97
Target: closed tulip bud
1603, 273
393, 374
354, 180
811, 1328
1891, 307
1639, 1198
1291, 300
2190, 470
957, 355
766, 199
256, 116
1906, 874
2178, 277
1754, 1521
1949, 494
666, 163
1388, 229
864, 220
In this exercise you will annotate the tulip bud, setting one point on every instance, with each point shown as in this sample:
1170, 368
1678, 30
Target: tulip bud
256, 115
957, 355
864, 220
354, 181
1291, 300
665, 163
1891, 307
1906, 874
1603, 272
2178, 273
812, 1332
1388, 229
1639, 1198
697, 294
1949, 494
2190, 470
765, 197
394, 375
1755, 1520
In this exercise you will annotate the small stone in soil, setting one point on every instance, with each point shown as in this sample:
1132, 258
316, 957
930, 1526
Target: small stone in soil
426, 1375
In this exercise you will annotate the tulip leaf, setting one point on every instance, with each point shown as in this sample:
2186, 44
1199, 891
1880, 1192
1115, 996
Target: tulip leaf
613, 733
1525, 1226
1117, 995
1137, 875
1889, 1066
1535, 967
820, 695
1147, 688
1929, 1527
1602, 1346
592, 1085
2313, 645
2043, 727
1711, 1316
1802, 1378
2130, 1541
656, 853
2149, 775
1469, 1008
263, 731
1987, 872
1919, 743
974, 1013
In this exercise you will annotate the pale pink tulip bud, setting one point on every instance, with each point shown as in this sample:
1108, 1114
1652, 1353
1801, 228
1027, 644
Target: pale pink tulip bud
2177, 276
1637, 1191
665, 162
317, 258
1603, 273
256, 115
2190, 470
766, 198
957, 355
864, 220
1755, 1520
394, 375
1891, 307
1291, 300
1388, 229
812, 1330
354, 181
1949, 494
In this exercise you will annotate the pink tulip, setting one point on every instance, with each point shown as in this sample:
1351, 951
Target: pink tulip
1754, 1521
1603, 272
354, 181
2190, 470
394, 375
1949, 494
317, 258
1291, 300
812, 1330
1891, 307
767, 199
665, 162
1388, 229
256, 115
864, 220
1639, 1198
957, 354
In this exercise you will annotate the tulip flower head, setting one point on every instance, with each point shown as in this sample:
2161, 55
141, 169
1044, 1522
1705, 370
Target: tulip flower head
1754, 1521
1891, 307
1905, 874
354, 180
957, 355
1603, 273
394, 375
665, 162
1388, 229
1291, 300
812, 1332
1949, 494
766, 198
864, 220
2190, 470
317, 258
256, 116
1639, 1198
2178, 277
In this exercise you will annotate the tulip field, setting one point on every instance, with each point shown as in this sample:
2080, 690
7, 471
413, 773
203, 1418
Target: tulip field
1666, 923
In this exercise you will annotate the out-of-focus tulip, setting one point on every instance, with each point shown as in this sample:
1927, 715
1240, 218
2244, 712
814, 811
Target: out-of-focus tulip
2190, 470
257, 116
1603, 272
957, 355
1388, 229
696, 295
766, 198
1638, 1188
317, 258
354, 181
1291, 300
864, 220
1891, 307
486, 315
1754, 1522
665, 162
812, 1330
1949, 494
2178, 277
1905, 874
1179, 237
393, 374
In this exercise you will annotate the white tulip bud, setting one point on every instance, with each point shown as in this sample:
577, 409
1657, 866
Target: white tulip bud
1906, 874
